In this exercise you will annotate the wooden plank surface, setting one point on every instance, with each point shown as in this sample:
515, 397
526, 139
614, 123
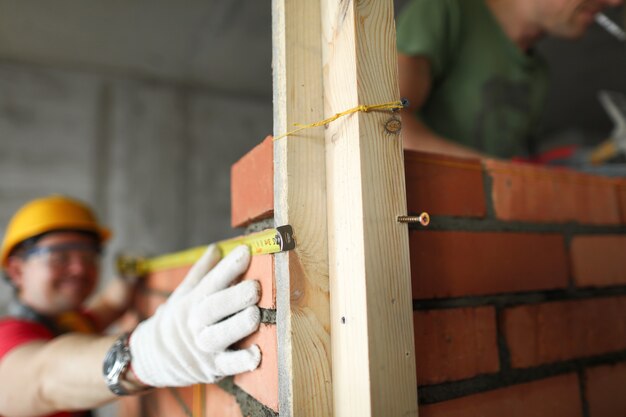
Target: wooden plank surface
373, 351
302, 295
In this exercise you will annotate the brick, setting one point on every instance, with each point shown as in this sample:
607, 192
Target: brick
220, 403
129, 406
262, 383
184, 395
168, 402
262, 269
252, 185
455, 264
166, 280
554, 397
605, 390
599, 261
146, 303
455, 344
444, 185
148, 404
563, 330
128, 321
538, 194
621, 195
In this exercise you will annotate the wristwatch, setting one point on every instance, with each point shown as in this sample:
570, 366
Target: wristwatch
116, 363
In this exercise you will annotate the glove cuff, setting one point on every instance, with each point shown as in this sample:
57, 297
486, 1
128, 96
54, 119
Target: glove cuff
143, 365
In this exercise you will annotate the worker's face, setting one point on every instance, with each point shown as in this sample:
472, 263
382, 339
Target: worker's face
570, 18
58, 274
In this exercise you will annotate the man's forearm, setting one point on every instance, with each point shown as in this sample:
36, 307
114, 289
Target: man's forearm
63, 374
419, 137
75, 379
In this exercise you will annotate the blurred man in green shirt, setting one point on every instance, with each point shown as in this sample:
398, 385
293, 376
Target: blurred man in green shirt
474, 83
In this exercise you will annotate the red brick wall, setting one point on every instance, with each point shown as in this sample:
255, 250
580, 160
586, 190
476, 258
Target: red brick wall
519, 288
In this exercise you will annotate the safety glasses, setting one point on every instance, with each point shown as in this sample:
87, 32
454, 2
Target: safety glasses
61, 256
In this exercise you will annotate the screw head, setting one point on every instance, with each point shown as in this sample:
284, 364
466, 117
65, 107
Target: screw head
393, 125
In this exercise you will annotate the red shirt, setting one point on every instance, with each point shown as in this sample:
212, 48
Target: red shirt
16, 332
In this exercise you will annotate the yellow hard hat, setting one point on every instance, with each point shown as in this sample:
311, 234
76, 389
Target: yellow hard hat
46, 215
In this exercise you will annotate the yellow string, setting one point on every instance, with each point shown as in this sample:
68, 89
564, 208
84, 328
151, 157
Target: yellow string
393, 105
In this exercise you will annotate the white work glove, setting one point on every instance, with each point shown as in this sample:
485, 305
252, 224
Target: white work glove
185, 342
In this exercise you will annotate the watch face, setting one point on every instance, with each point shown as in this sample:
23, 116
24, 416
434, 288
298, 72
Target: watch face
110, 359
116, 360
115, 364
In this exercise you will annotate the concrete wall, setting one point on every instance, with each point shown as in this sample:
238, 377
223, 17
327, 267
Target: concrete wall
154, 158
578, 71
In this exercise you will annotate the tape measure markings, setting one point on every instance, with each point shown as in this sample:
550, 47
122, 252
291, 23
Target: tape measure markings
268, 241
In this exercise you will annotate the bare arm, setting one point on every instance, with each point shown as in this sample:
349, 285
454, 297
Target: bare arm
64, 374
415, 83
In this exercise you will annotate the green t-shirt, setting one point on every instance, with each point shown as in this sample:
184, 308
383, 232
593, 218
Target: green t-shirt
486, 92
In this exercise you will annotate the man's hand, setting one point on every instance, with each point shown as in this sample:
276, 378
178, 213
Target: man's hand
109, 305
186, 341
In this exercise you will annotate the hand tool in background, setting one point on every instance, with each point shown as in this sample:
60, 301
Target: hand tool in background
268, 241
615, 105
610, 26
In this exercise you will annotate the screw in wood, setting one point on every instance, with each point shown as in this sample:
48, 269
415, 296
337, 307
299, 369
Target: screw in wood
393, 125
423, 219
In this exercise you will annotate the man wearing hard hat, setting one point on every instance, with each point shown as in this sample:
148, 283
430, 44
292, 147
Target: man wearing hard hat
53, 362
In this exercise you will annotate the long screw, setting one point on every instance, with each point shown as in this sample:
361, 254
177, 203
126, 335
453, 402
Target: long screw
423, 219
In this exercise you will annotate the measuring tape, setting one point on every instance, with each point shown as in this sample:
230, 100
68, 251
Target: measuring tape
268, 241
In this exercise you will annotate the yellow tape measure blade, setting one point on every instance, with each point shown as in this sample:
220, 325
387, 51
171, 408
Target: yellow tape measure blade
268, 241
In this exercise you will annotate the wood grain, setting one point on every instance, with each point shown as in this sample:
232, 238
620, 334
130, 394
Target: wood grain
302, 296
373, 350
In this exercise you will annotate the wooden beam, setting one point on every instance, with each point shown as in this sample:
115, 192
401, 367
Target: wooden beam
330, 56
302, 297
373, 352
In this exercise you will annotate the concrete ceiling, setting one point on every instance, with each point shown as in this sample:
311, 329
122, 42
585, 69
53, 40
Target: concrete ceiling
222, 44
